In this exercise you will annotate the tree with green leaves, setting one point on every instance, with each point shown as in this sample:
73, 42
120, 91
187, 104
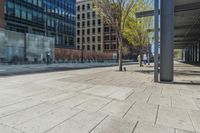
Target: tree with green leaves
136, 30
116, 13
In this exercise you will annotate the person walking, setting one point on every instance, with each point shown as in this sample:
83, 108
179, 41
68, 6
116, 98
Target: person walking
145, 59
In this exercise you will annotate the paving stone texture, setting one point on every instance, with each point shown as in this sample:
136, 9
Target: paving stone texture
101, 100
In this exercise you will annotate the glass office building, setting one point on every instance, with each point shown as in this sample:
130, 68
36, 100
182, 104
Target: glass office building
54, 18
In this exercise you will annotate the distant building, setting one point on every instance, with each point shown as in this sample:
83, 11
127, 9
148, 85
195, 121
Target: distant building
53, 18
93, 34
110, 39
89, 34
2, 13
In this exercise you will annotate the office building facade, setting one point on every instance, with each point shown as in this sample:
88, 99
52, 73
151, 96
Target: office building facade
53, 18
89, 34
92, 33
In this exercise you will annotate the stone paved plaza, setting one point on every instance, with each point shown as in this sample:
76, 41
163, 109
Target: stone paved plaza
101, 100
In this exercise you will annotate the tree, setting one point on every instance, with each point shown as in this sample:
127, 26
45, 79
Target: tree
116, 12
136, 30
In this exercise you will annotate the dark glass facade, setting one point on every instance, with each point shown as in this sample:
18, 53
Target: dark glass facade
55, 18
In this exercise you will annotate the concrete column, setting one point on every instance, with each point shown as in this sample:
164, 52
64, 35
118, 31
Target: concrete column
167, 42
196, 53
199, 50
184, 55
193, 53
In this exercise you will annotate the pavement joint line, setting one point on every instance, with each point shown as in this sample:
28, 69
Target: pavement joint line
21, 101
157, 114
87, 80
98, 123
81, 103
66, 99
145, 89
162, 91
84, 93
63, 121
149, 98
12, 127
130, 94
191, 122
104, 105
30, 96
81, 91
41, 115
179, 90
84, 89
128, 109
135, 126
171, 101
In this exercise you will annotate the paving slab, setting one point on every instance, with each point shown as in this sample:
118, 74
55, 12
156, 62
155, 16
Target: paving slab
195, 118
142, 97
7, 129
47, 121
82, 123
182, 131
116, 108
115, 125
94, 105
184, 103
102, 90
142, 112
160, 100
176, 118
75, 101
122, 93
28, 114
109, 101
146, 127
170, 91
18, 107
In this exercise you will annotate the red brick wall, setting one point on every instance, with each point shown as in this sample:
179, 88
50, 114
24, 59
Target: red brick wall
2, 13
76, 54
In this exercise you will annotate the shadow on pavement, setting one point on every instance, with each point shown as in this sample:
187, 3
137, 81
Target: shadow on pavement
186, 83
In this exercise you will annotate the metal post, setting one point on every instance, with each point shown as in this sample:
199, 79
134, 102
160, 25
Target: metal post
156, 4
196, 53
167, 42
82, 45
45, 19
57, 40
193, 53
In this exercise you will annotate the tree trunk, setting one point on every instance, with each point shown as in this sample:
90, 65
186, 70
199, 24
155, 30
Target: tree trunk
120, 57
148, 54
141, 56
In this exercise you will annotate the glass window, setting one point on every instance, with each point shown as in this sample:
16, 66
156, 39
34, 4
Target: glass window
83, 7
88, 6
93, 47
29, 15
10, 10
88, 47
40, 3
93, 39
29, 1
88, 39
35, 2
24, 13
17, 11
